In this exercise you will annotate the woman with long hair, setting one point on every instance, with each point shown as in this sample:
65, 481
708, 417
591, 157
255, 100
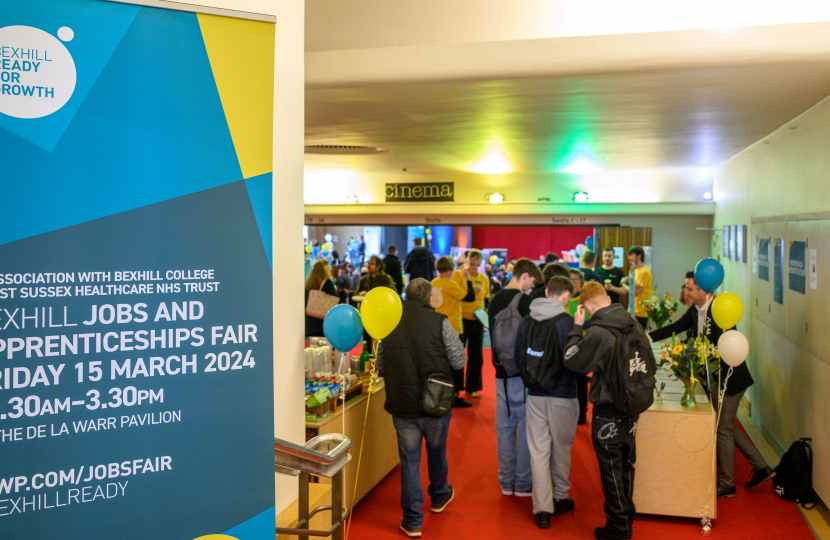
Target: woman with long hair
318, 279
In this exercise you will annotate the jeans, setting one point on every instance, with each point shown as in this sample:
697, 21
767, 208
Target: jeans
410, 431
730, 436
614, 444
511, 437
474, 339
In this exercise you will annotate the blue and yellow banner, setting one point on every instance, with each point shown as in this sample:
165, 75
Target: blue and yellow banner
136, 369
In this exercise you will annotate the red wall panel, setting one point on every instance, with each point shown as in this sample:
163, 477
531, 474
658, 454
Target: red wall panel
532, 242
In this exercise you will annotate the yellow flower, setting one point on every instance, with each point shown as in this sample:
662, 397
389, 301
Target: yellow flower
671, 313
665, 355
666, 296
677, 349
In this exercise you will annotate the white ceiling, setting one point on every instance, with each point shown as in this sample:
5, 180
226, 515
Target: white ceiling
668, 105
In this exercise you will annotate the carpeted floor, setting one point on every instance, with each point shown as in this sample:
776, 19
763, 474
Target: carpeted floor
480, 510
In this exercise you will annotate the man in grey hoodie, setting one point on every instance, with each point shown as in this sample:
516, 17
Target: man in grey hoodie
551, 414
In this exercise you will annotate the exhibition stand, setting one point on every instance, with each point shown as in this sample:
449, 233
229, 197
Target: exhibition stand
675, 445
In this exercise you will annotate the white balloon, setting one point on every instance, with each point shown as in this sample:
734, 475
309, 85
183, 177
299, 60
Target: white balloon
580, 249
733, 348
328, 238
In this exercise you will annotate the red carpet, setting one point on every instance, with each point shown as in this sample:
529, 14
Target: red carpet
480, 511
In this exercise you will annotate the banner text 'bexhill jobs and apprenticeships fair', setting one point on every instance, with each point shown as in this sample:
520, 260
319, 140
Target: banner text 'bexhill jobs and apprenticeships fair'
134, 376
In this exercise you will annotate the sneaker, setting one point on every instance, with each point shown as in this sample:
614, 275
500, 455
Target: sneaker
473, 395
543, 520
505, 491
726, 492
563, 506
523, 492
760, 476
458, 402
412, 533
450, 495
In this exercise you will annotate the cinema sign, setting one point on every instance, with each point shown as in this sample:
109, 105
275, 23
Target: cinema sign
420, 192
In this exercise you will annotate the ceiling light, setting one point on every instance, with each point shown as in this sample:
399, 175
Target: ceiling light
496, 198
581, 197
581, 164
707, 196
493, 161
351, 199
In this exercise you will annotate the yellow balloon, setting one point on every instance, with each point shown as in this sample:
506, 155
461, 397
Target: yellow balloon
493, 259
308, 248
727, 310
381, 312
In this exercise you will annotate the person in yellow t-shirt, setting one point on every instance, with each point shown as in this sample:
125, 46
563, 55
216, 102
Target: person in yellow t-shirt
446, 297
642, 283
473, 329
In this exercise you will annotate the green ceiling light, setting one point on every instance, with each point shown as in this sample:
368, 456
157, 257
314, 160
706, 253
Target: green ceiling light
581, 197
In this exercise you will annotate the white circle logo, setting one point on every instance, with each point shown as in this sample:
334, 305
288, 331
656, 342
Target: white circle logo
37, 73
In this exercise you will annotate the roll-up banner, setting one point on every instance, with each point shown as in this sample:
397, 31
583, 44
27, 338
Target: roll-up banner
136, 390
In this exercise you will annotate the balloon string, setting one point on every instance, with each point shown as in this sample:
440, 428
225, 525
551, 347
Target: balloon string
363, 434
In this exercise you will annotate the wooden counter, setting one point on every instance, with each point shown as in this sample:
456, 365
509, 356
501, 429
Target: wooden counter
676, 474
380, 446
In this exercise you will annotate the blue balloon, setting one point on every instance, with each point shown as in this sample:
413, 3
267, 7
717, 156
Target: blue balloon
708, 274
315, 250
343, 327
589, 243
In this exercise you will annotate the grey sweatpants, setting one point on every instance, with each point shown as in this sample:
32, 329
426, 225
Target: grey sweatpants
551, 426
730, 436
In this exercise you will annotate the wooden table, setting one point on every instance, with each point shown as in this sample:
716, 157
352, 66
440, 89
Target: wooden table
676, 474
380, 446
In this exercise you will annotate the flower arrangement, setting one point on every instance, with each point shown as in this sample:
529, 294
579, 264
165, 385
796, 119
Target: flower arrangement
687, 362
660, 309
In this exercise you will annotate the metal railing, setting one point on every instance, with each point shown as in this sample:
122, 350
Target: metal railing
324, 455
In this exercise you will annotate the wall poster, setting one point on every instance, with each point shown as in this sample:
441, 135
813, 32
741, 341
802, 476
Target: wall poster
136, 370
763, 259
778, 271
798, 267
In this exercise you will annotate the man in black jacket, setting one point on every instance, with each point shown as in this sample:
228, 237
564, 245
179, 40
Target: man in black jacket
424, 342
420, 262
613, 432
696, 321
392, 264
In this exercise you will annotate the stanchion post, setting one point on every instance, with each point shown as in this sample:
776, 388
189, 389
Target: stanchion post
302, 521
337, 504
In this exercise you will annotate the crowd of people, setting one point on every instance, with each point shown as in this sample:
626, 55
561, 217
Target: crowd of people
561, 321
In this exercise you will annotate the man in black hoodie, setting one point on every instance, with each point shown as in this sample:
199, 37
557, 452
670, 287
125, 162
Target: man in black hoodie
392, 264
613, 432
420, 263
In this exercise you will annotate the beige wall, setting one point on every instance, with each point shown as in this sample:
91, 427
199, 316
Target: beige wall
779, 186
289, 411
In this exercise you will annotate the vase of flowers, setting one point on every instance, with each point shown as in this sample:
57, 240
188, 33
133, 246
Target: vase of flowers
660, 309
688, 363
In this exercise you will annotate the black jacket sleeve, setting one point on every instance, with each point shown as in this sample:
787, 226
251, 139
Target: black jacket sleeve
684, 323
471, 293
584, 354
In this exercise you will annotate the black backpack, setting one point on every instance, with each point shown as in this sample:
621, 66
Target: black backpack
503, 329
631, 374
540, 359
793, 480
